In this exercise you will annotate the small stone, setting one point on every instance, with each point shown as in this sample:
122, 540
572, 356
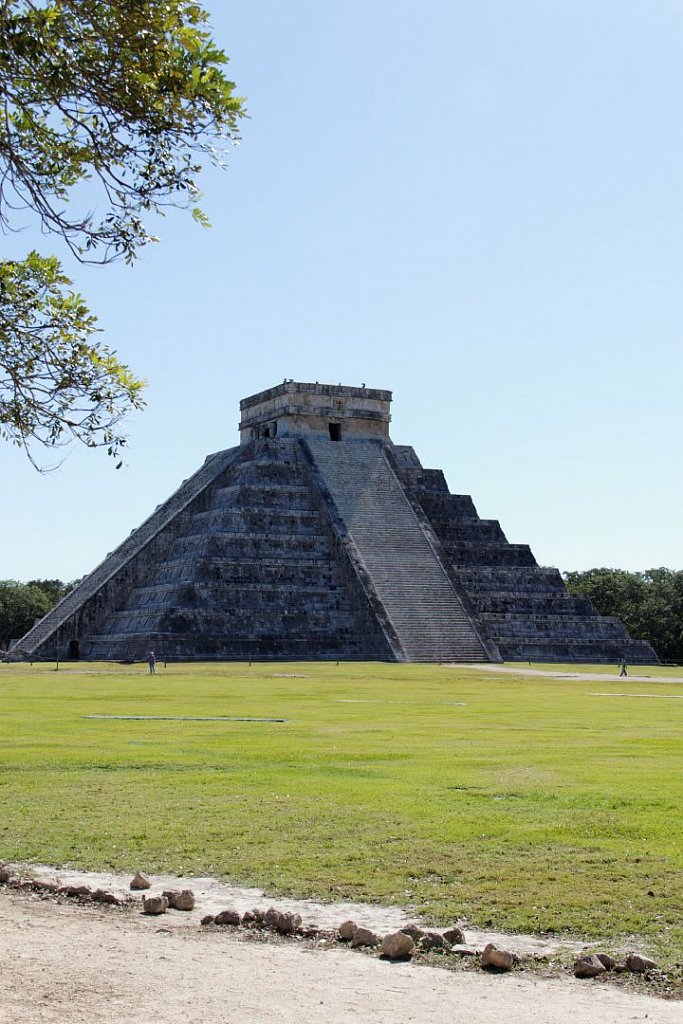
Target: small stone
207, 919
74, 890
347, 930
271, 918
463, 950
589, 967
231, 917
183, 900
311, 931
248, 917
454, 935
397, 946
141, 881
258, 914
364, 937
638, 964
434, 940
607, 961
6, 875
288, 923
497, 956
101, 896
154, 904
414, 931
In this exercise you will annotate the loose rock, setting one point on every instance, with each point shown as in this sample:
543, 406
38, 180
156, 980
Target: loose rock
101, 896
183, 900
454, 935
347, 930
638, 964
207, 919
154, 904
607, 961
271, 918
497, 956
6, 875
140, 881
397, 945
364, 937
74, 890
414, 931
589, 967
434, 940
231, 917
288, 923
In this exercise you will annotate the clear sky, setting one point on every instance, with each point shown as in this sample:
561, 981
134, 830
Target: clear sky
477, 205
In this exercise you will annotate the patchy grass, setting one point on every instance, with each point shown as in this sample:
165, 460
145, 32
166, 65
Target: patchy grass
523, 803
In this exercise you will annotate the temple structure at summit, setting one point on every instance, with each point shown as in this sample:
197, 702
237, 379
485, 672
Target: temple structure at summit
317, 538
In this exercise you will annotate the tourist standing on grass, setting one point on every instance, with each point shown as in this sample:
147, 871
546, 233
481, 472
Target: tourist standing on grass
151, 661
624, 667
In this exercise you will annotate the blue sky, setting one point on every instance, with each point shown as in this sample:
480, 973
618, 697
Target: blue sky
476, 205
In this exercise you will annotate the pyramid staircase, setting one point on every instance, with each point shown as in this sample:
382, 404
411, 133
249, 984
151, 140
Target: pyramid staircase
427, 616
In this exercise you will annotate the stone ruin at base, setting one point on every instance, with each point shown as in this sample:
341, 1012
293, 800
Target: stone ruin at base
318, 538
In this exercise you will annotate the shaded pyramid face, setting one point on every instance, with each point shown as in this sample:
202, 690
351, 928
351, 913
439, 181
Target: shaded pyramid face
318, 538
250, 572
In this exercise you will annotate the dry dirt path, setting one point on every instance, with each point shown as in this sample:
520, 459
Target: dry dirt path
66, 964
605, 677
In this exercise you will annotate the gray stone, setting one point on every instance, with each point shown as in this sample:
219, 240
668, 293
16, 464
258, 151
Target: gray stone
140, 881
154, 904
74, 890
588, 967
102, 896
180, 900
497, 956
347, 930
434, 940
271, 918
288, 923
364, 937
397, 946
228, 917
639, 964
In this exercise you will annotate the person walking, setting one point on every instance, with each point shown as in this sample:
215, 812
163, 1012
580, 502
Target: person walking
624, 668
151, 661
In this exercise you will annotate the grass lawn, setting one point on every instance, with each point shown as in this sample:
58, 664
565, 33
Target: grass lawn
527, 804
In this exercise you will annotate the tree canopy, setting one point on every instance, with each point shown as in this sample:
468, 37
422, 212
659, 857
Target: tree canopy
20, 605
109, 112
650, 603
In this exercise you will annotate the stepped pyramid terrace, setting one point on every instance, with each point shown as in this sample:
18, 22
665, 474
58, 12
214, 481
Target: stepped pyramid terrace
317, 538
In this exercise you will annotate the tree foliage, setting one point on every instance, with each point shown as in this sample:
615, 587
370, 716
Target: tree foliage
109, 111
650, 603
20, 605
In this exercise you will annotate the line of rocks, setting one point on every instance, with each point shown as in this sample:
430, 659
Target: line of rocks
399, 945
81, 892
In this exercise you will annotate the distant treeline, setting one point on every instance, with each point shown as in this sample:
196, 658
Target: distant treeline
22, 603
650, 603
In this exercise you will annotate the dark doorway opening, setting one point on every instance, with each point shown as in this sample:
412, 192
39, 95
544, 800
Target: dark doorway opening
335, 431
74, 649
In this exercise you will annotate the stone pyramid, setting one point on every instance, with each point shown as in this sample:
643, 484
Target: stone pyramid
318, 538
